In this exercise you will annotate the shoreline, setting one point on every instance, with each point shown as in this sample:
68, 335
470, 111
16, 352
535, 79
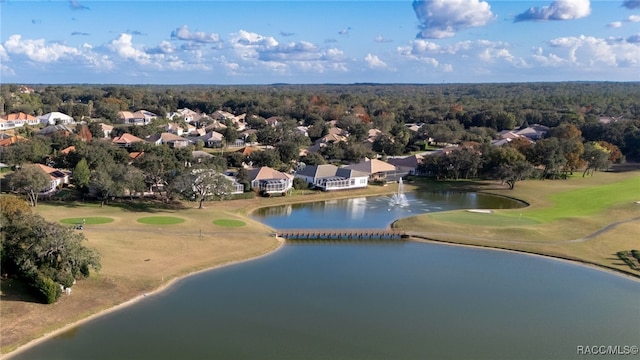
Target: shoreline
575, 262
281, 243
130, 302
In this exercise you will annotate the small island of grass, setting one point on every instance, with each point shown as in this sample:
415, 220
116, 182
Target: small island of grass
229, 222
94, 220
160, 220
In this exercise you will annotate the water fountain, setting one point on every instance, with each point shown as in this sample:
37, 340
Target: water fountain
399, 198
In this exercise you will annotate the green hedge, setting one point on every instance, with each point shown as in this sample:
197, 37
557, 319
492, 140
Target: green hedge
46, 289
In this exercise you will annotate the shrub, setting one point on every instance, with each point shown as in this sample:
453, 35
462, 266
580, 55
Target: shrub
246, 195
300, 184
46, 289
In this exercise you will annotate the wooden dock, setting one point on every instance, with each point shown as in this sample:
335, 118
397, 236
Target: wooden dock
341, 234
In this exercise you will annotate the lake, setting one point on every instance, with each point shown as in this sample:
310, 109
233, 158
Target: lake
369, 300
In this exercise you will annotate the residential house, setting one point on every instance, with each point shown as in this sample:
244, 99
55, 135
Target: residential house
198, 155
58, 178
377, 170
67, 150
12, 140
246, 133
266, 181
534, 132
414, 127
126, 140
56, 118
221, 115
237, 120
324, 141
187, 114
273, 121
247, 150
135, 155
106, 129
174, 128
408, 164
337, 131
173, 140
372, 135
216, 126
330, 177
14, 120
140, 117
192, 131
212, 139
53, 129
236, 187
303, 130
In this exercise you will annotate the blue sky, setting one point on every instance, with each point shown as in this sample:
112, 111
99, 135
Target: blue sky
262, 42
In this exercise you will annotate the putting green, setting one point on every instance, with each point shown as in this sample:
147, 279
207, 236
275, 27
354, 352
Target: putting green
87, 221
229, 223
160, 220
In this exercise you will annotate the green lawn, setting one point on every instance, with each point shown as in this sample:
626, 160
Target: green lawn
491, 219
160, 220
588, 201
229, 223
96, 220
565, 218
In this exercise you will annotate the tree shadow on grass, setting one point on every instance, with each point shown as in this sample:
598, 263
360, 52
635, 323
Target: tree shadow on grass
15, 290
146, 206
136, 205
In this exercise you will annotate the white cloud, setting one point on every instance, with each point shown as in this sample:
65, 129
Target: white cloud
3, 54
615, 24
123, 46
633, 18
381, 39
590, 53
374, 62
443, 18
557, 10
256, 51
252, 39
480, 52
301, 51
38, 50
183, 33
164, 47
4, 58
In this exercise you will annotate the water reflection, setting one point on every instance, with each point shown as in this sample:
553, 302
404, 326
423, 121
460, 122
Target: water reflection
376, 211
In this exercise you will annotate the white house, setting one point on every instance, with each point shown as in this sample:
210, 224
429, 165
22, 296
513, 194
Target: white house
266, 180
330, 177
54, 118
173, 140
140, 117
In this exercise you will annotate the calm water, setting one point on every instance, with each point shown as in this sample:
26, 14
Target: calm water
394, 300
374, 212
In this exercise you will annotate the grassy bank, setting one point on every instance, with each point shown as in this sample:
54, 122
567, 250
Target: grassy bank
565, 218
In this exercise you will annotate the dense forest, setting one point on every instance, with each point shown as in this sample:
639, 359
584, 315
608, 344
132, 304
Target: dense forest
544, 103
